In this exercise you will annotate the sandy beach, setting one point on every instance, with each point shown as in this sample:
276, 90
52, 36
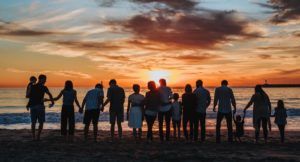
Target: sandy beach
16, 145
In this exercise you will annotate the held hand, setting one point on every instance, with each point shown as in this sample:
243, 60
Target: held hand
27, 108
80, 110
51, 105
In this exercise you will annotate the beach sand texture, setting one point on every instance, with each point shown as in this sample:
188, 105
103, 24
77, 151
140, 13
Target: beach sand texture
16, 145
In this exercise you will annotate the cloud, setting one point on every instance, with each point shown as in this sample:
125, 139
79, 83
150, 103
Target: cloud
264, 56
183, 30
285, 10
289, 72
12, 29
65, 73
196, 58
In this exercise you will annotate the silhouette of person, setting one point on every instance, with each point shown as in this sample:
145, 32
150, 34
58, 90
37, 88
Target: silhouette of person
261, 111
135, 111
37, 107
32, 81
67, 111
152, 103
116, 98
203, 101
165, 111
280, 118
224, 98
92, 103
189, 102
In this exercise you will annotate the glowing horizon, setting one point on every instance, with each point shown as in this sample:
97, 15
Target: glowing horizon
134, 41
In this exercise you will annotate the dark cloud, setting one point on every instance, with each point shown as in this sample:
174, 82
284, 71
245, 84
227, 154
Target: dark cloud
181, 30
12, 29
88, 45
175, 4
265, 56
196, 58
285, 10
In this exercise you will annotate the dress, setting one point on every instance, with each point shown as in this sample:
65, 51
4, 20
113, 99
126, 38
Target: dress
135, 113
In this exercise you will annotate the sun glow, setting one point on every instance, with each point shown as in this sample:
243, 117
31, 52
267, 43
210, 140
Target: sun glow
155, 75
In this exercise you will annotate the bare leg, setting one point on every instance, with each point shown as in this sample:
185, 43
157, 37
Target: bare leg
86, 131
40, 130
120, 130
33, 130
112, 130
95, 132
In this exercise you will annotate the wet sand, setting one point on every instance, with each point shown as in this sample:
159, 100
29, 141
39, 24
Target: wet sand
16, 145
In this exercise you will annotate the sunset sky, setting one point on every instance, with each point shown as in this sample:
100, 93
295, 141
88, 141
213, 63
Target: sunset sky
133, 41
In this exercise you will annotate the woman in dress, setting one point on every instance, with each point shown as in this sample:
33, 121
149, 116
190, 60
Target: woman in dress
67, 111
261, 111
135, 111
152, 103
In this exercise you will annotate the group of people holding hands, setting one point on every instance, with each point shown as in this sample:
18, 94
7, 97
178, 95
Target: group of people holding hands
158, 103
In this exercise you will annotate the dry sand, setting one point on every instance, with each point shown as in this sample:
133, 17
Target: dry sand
16, 145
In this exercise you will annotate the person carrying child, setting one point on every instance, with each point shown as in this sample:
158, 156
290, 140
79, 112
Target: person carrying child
32, 81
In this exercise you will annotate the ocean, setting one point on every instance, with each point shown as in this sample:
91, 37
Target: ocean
13, 114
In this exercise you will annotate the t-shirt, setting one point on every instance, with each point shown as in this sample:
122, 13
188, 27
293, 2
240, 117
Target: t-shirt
68, 97
116, 96
136, 99
189, 102
260, 106
176, 111
37, 93
203, 99
165, 96
224, 97
92, 99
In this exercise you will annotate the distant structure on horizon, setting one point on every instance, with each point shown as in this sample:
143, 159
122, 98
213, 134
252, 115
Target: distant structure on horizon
279, 85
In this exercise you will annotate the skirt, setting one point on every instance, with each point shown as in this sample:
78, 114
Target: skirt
135, 117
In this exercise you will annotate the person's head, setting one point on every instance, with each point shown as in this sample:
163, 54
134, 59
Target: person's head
199, 83
280, 104
188, 88
224, 83
151, 85
32, 79
258, 89
42, 79
238, 118
112, 82
176, 96
99, 86
162, 82
68, 85
136, 88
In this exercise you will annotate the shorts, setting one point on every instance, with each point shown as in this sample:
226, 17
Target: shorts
37, 113
116, 115
91, 116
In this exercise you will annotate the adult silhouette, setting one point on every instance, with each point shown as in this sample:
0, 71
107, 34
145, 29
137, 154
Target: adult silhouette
152, 103
224, 98
203, 101
116, 98
67, 111
261, 111
165, 111
36, 104
92, 103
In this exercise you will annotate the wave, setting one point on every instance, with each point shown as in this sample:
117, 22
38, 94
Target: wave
54, 117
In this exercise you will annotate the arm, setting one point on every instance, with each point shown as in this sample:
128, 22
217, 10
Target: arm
76, 100
216, 99
208, 100
249, 104
58, 97
83, 104
269, 104
244, 117
128, 107
233, 101
50, 96
107, 99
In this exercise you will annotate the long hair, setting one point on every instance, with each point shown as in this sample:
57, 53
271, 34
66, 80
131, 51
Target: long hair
151, 85
280, 104
259, 90
68, 85
188, 88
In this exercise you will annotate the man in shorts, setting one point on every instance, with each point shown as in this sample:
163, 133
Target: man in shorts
92, 103
116, 98
37, 107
